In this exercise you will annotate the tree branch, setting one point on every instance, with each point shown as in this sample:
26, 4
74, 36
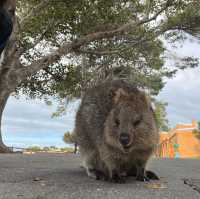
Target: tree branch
98, 53
84, 40
40, 37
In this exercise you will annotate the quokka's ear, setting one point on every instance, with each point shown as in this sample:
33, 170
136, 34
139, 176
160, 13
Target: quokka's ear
153, 106
150, 103
118, 94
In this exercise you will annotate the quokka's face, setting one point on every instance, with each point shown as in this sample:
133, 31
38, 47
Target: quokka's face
131, 125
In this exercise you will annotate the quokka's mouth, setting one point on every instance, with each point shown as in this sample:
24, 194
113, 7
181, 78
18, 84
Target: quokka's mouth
126, 149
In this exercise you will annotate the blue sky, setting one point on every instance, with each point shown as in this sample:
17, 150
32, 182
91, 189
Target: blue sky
29, 122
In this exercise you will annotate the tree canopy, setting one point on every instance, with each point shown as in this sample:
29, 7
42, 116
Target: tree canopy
197, 131
110, 38
161, 116
70, 138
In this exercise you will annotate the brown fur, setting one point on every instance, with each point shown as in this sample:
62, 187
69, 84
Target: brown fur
107, 111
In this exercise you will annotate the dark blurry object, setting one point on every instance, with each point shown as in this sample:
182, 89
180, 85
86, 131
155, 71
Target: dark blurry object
7, 13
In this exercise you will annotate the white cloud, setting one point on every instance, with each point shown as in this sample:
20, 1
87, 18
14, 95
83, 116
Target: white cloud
182, 92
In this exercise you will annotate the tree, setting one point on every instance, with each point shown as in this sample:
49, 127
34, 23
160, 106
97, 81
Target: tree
197, 131
161, 116
44, 55
34, 149
70, 138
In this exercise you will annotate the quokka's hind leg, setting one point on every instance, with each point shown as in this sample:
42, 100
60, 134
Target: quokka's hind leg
151, 175
141, 173
91, 164
146, 175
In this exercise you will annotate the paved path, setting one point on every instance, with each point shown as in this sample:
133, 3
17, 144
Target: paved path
44, 176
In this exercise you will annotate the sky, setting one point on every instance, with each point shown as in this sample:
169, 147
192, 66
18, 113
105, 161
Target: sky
182, 93
29, 123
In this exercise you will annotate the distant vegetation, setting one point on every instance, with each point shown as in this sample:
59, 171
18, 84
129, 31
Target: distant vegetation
49, 149
161, 115
197, 131
70, 138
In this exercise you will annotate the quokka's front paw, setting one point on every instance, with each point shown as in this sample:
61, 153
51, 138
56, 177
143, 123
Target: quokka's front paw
98, 174
118, 178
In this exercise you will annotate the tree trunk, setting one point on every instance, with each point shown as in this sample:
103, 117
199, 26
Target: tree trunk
8, 82
4, 94
75, 147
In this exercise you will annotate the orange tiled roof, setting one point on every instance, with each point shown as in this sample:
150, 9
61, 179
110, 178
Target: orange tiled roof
191, 126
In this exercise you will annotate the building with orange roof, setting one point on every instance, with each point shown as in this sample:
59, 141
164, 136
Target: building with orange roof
180, 142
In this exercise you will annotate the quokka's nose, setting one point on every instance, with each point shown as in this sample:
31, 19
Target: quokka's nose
124, 139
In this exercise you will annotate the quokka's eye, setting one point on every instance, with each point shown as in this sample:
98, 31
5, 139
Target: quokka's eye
117, 122
137, 121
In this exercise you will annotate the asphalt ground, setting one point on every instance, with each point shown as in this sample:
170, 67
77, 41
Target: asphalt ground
59, 176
